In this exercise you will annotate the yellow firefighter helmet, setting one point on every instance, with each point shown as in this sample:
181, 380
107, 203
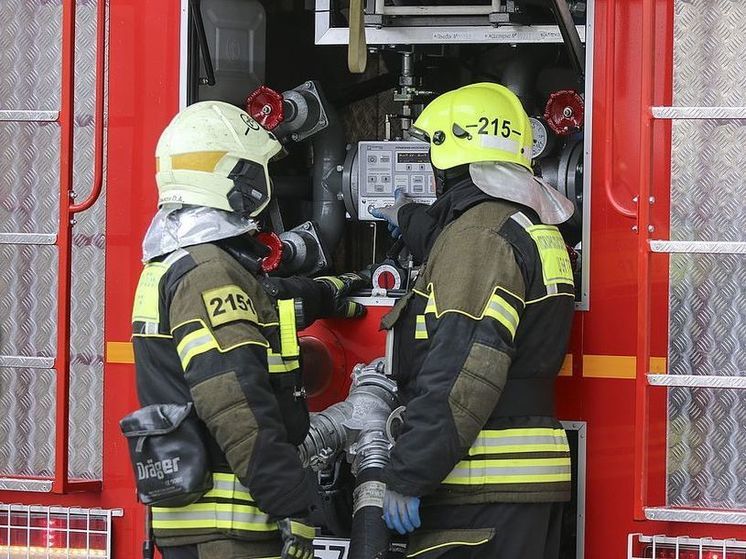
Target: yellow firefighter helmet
214, 154
476, 123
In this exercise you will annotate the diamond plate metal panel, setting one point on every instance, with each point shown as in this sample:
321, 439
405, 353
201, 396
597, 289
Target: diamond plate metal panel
27, 422
709, 51
707, 316
87, 310
30, 50
707, 448
29, 177
708, 185
28, 299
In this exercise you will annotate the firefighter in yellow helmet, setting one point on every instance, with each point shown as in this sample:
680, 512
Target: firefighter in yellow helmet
481, 466
207, 334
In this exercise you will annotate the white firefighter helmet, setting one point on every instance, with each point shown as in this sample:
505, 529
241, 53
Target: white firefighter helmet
214, 154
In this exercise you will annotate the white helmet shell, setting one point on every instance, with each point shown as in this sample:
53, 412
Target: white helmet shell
214, 154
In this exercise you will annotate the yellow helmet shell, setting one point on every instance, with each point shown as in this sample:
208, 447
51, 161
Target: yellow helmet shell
201, 146
476, 123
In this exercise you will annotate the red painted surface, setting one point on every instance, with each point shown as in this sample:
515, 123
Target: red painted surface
143, 96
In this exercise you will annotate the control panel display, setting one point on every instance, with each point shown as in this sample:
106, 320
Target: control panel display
384, 167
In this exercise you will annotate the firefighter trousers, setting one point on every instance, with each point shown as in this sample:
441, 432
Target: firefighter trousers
521, 530
224, 549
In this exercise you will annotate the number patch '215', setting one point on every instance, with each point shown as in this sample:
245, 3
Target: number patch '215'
228, 304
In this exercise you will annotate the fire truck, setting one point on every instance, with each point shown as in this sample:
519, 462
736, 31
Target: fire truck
638, 112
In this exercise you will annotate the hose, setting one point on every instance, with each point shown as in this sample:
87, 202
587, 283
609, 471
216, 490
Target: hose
370, 536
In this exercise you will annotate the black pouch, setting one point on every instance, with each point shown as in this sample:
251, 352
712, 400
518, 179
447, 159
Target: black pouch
168, 453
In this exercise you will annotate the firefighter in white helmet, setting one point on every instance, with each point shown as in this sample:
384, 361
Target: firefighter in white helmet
207, 333
481, 465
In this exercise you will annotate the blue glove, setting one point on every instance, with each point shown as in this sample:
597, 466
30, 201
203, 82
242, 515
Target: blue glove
401, 513
391, 213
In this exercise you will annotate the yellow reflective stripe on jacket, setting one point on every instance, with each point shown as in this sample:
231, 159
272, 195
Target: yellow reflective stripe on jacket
288, 330
241, 514
431, 308
525, 470
195, 343
225, 516
420, 329
302, 530
227, 486
336, 282
509, 441
147, 296
485, 467
277, 364
502, 311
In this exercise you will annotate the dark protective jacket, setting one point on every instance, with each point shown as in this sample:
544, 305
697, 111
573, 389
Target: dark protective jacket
478, 344
206, 331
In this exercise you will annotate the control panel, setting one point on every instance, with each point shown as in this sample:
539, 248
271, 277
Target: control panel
384, 167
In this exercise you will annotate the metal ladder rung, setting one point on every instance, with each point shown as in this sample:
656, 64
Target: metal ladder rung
30, 485
26, 362
699, 113
697, 381
29, 116
698, 516
27, 239
698, 247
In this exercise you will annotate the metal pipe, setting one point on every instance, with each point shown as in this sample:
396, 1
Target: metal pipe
199, 28
570, 35
642, 428
519, 76
329, 150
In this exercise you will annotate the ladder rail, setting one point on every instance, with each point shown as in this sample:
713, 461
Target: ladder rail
650, 114
642, 402
61, 482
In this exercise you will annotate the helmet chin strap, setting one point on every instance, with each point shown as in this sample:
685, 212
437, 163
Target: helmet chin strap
445, 178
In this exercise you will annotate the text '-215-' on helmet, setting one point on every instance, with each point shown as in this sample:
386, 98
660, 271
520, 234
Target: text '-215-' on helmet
214, 154
476, 123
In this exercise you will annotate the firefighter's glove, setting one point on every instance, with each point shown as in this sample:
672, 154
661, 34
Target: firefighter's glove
340, 288
297, 538
401, 513
391, 213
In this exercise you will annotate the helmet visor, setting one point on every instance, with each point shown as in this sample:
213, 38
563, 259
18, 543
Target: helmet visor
250, 192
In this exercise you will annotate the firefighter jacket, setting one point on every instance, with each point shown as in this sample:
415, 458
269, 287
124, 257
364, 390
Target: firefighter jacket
477, 346
205, 331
